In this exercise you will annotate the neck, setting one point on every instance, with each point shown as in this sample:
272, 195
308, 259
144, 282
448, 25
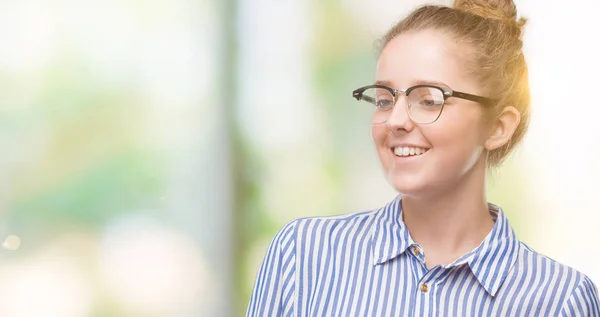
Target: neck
450, 223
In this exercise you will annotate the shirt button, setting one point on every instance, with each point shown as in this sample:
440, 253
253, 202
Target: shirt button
416, 251
424, 288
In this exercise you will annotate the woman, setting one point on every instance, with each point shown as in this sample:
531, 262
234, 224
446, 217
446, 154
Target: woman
451, 100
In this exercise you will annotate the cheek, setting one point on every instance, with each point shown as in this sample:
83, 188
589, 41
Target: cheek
379, 135
457, 137
462, 121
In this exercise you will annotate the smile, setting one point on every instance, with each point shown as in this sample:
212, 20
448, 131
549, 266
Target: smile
409, 151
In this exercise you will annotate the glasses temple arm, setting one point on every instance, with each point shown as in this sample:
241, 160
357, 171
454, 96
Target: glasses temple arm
475, 98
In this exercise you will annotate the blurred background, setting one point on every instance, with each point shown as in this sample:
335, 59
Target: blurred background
151, 149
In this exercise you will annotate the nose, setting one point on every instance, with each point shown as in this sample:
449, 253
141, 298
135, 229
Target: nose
399, 118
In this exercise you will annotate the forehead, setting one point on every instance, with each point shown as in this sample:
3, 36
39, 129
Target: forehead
424, 56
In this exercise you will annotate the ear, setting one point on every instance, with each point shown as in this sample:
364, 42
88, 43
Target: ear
503, 128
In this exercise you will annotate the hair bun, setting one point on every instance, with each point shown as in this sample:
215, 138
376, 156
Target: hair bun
504, 10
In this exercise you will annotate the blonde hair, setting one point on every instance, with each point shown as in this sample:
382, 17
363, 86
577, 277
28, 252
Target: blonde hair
492, 34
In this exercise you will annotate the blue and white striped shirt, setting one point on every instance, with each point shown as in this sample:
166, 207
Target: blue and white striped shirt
366, 264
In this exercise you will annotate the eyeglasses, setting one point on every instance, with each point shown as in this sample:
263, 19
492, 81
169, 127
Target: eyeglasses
424, 102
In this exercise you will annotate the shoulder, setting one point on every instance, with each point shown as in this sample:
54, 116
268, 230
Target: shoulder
304, 232
350, 224
533, 260
572, 289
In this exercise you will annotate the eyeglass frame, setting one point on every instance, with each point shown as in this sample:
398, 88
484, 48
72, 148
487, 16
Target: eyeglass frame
446, 93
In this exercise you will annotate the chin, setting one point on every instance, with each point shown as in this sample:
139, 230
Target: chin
413, 185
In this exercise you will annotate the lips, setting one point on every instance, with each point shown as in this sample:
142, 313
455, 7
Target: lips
404, 151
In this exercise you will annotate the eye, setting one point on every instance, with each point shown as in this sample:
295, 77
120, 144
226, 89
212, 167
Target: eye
384, 103
426, 97
428, 101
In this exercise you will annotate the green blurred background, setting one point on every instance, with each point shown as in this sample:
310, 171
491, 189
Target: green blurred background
151, 149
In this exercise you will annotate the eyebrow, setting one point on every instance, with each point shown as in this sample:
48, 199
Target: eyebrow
414, 83
384, 83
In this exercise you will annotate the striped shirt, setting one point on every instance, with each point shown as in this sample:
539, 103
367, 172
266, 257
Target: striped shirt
366, 264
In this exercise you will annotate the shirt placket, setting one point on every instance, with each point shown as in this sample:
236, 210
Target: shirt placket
427, 283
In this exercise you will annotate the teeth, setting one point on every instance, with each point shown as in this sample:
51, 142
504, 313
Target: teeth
409, 151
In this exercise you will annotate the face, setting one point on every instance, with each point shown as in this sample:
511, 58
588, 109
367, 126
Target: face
451, 147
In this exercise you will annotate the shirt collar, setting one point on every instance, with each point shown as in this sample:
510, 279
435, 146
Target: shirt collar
490, 262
